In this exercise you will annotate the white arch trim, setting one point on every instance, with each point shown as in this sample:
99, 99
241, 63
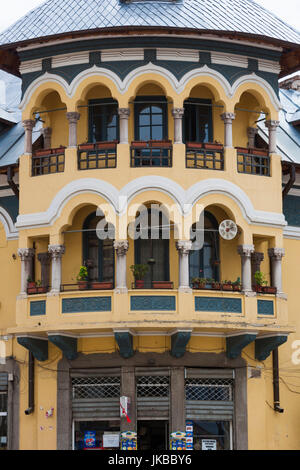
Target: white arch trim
123, 85
8, 224
120, 199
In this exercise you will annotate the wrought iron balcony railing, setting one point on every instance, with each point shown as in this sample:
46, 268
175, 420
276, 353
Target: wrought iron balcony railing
152, 153
97, 156
253, 161
204, 156
48, 161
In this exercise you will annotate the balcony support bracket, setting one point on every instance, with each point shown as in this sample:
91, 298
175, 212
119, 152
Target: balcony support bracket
235, 344
38, 346
265, 345
66, 344
125, 343
179, 342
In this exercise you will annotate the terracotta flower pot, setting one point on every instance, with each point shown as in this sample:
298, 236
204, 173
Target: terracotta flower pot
212, 146
263, 153
139, 144
242, 150
227, 287
269, 290
42, 153
216, 286
106, 145
162, 285
236, 288
102, 285
194, 145
86, 147
82, 285
258, 289
139, 284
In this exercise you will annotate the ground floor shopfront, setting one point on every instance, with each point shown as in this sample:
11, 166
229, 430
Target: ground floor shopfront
202, 394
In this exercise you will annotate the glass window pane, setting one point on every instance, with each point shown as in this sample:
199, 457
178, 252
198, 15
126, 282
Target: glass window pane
157, 119
216, 432
144, 119
157, 133
145, 133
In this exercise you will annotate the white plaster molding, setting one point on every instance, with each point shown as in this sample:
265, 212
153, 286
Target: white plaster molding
8, 224
292, 232
73, 58
182, 55
112, 55
119, 200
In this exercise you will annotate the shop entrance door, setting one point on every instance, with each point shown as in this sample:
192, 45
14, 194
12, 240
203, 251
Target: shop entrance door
153, 435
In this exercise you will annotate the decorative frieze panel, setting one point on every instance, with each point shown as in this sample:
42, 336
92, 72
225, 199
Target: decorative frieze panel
215, 304
37, 308
86, 304
265, 307
153, 302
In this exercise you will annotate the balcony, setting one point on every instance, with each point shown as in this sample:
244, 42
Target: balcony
152, 153
207, 156
48, 161
97, 156
253, 161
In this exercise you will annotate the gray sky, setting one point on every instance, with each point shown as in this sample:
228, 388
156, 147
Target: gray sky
288, 10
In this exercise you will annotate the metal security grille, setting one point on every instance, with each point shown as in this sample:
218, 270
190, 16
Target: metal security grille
3, 382
153, 386
205, 159
153, 396
253, 164
208, 389
52, 162
96, 387
96, 397
209, 394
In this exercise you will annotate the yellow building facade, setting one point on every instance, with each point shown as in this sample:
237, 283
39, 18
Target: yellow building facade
131, 122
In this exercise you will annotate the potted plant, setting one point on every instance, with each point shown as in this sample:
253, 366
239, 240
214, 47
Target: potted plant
162, 284
269, 290
82, 278
40, 288
199, 283
260, 281
216, 285
139, 271
237, 285
227, 285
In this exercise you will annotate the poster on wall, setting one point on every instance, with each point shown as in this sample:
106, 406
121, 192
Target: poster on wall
209, 444
89, 440
189, 435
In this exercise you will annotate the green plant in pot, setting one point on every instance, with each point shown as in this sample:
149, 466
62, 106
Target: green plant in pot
260, 281
199, 282
237, 285
82, 278
139, 271
227, 285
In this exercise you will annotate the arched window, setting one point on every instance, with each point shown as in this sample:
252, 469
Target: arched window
197, 122
205, 262
154, 250
98, 254
150, 118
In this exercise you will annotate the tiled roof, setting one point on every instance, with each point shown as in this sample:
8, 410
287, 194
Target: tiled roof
62, 16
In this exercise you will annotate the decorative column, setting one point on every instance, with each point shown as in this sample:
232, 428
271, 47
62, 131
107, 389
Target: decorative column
251, 132
276, 255
184, 247
44, 259
256, 260
56, 252
177, 115
47, 133
124, 114
272, 127
26, 255
73, 118
245, 252
121, 247
28, 126
228, 118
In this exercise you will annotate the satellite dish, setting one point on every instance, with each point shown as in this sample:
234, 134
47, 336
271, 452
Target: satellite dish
228, 229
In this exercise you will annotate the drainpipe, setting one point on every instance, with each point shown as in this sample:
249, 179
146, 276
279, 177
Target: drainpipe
291, 181
30, 408
276, 382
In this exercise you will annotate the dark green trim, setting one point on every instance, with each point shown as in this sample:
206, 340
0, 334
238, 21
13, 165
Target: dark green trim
291, 210
265, 307
11, 205
218, 304
235, 344
264, 346
125, 343
66, 344
153, 302
86, 305
38, 347
179, 342
148, 42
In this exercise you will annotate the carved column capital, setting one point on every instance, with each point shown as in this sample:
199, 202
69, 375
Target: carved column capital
276, 253
26, 253
245, 250
73, 117
184, 246
228, 117
44, 258
257, 257
177, 113
121, 247
272, 125
56, 251
124, 113
28, 124
252, 131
